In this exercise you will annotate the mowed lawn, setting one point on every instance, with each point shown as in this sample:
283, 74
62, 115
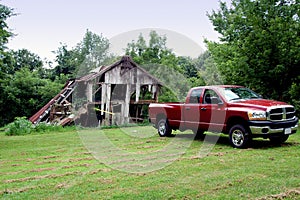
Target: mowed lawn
135, 163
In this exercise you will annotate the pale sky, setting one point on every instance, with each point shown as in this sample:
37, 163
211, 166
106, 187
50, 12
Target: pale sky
42, 25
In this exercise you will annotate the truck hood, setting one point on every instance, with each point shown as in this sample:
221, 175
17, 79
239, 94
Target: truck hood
258, 103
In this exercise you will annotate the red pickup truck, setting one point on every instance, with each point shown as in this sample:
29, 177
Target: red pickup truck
229, 109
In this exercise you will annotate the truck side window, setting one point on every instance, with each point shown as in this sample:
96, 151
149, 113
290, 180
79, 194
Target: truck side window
208, 95
195, 96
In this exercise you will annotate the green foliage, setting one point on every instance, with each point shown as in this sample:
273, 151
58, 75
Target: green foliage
26, 92
21, 126
47, 128
207, 71
5, 34
88, 54
153, 52
259, 45
295, 94
23, 58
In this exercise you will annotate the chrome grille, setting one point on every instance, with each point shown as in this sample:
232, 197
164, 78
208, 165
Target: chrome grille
281, 113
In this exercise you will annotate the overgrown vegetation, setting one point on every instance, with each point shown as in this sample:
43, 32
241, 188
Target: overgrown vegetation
59, 166
22, 126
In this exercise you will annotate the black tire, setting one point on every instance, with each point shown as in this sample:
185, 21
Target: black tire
278, 139
239, 137
163, 128
199, 134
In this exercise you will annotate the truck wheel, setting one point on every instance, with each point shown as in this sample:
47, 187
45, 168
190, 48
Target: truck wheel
199, 134
238, 136
278, 139
163, 128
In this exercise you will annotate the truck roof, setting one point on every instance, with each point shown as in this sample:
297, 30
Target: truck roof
219, 86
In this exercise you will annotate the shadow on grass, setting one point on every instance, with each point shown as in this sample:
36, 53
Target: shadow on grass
256, 143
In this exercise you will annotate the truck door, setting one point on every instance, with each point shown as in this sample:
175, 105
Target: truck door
212, 111
191, 109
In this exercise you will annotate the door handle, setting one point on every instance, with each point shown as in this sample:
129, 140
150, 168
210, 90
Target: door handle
204, 109
187, 108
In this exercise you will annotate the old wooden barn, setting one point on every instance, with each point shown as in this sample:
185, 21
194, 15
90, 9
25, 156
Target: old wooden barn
111, 95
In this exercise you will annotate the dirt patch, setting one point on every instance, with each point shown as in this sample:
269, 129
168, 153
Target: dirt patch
63, 186
78, 165
146, 147
290, 194
62, 161
99, 170
20, 190
79, 159
16, 165
48, 161
49, 157
105, 181
61, 150
40, 177
28, 171
217, 154
42, 169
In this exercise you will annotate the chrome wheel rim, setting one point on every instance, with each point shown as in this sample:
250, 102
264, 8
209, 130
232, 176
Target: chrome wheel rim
238, 138
162, 128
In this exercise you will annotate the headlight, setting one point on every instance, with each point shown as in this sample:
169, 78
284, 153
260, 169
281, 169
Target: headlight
257, 115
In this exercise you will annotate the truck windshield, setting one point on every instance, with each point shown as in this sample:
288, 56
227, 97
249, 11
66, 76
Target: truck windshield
232, 94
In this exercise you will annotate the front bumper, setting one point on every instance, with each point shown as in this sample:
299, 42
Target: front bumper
271, 127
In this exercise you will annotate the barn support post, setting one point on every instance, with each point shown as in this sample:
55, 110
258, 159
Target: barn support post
107, 109
137, 91
154, 92
127, 103
103, 98
89, 91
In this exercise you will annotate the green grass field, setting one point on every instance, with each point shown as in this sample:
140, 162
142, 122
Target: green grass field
135, 163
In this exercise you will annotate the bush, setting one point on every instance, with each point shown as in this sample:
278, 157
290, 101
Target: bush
44, 128
21, 126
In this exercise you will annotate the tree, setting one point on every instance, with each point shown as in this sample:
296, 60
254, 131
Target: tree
23, 58
259, 45
66, 60
88, 54
25, 93
5, 13
207, 70
153, 52
5, 34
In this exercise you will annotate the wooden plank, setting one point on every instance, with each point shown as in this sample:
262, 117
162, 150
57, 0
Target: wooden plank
103, 98
89, 92
127, 103
107, 109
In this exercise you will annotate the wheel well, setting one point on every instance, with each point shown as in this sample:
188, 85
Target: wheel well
159, 117
235, 120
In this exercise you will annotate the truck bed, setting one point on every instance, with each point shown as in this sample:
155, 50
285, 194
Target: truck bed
172, 111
